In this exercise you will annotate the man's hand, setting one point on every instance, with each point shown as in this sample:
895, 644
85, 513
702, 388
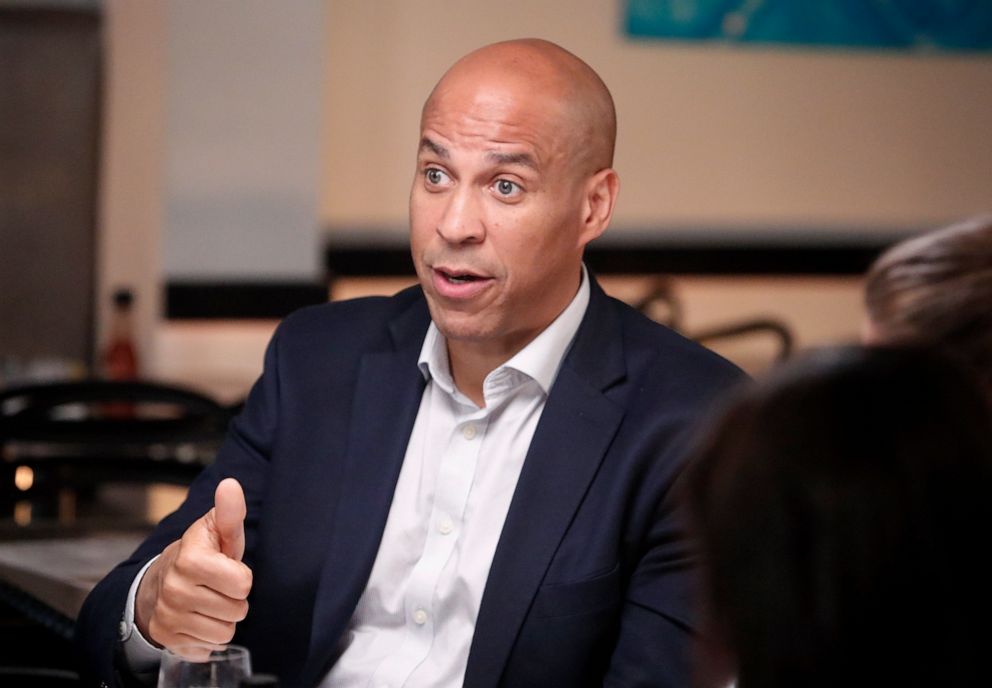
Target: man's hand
196, 591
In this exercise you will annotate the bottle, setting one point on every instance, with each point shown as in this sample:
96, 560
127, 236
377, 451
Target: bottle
119, 359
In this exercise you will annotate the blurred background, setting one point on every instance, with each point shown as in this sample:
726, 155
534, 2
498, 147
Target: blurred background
227, 162
177, 175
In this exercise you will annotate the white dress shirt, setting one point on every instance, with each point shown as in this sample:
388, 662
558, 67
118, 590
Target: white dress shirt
414, 623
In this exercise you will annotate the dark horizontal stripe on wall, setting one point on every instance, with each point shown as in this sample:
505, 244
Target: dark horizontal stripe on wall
273, 300
735, 260
239, 300
710, 259
388, 261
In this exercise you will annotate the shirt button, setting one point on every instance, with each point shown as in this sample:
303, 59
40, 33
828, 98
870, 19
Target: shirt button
420, 617
445, 526
469, 432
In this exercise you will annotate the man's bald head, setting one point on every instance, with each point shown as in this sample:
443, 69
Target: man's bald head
542, 70
514, 178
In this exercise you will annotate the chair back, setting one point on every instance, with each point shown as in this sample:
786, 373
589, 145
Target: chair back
82, 434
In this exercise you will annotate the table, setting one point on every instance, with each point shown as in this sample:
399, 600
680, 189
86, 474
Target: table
59, 573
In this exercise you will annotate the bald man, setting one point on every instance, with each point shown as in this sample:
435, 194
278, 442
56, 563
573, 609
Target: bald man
469, 483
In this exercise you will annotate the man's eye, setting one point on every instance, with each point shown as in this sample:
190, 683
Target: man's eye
504, 187
435, 176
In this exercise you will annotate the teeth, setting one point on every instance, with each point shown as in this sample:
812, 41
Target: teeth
460, 278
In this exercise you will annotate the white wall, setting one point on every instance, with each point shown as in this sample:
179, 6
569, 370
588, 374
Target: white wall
129, 223
243, 108
711, 135
209, 167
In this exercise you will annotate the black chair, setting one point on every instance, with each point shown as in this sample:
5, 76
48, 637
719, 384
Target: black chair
779, 331
79, 435
662, 304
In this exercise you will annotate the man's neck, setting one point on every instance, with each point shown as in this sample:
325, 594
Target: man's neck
471, 364
471, 361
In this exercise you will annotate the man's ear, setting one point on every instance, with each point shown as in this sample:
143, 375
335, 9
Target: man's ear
599, 198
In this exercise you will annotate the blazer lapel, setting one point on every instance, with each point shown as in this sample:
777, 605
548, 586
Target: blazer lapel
385, 406
575, 430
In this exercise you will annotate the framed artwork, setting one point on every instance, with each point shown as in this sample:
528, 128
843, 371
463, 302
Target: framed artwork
925, 25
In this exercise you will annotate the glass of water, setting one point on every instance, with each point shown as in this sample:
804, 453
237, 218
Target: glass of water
196, 666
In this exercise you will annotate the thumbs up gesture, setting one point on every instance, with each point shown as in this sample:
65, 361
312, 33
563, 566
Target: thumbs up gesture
196, 591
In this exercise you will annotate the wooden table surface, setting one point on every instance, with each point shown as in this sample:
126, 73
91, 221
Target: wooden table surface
60, 572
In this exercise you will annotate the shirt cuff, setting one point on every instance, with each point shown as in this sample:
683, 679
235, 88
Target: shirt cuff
141, 656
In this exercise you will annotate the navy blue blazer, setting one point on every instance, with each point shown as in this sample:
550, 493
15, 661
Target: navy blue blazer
591, 581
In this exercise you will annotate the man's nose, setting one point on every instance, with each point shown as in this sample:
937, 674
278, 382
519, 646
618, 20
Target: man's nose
461, 222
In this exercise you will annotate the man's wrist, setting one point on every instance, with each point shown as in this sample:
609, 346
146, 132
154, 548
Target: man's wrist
141, 655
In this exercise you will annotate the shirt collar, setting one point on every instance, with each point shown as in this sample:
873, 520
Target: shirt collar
539, 360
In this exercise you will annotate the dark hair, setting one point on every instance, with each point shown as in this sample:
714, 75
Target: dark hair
936, 290
843, 507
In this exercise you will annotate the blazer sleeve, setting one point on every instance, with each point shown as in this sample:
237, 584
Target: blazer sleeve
244, 455
653, 647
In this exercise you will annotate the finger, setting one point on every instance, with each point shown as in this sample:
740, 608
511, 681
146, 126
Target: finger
229, 517
211, 570
200, 628
215, 605
191, 649
210, 630
179, 596
222, 607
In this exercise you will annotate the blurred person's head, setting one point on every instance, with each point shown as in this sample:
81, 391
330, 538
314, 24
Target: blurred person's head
842, 505
936, 290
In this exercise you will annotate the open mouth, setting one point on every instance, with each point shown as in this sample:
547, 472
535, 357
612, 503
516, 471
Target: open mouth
459, 284
459, 277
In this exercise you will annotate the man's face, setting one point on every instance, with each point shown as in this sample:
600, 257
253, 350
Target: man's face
495, 215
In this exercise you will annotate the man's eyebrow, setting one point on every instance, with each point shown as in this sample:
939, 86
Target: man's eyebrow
525, 159
439, 151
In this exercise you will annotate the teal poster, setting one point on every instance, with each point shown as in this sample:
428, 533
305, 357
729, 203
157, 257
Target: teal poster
930, 25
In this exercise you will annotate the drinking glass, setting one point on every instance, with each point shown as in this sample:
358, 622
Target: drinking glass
194, 666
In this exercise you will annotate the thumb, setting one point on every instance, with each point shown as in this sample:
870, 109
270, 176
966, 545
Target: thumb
229, 517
